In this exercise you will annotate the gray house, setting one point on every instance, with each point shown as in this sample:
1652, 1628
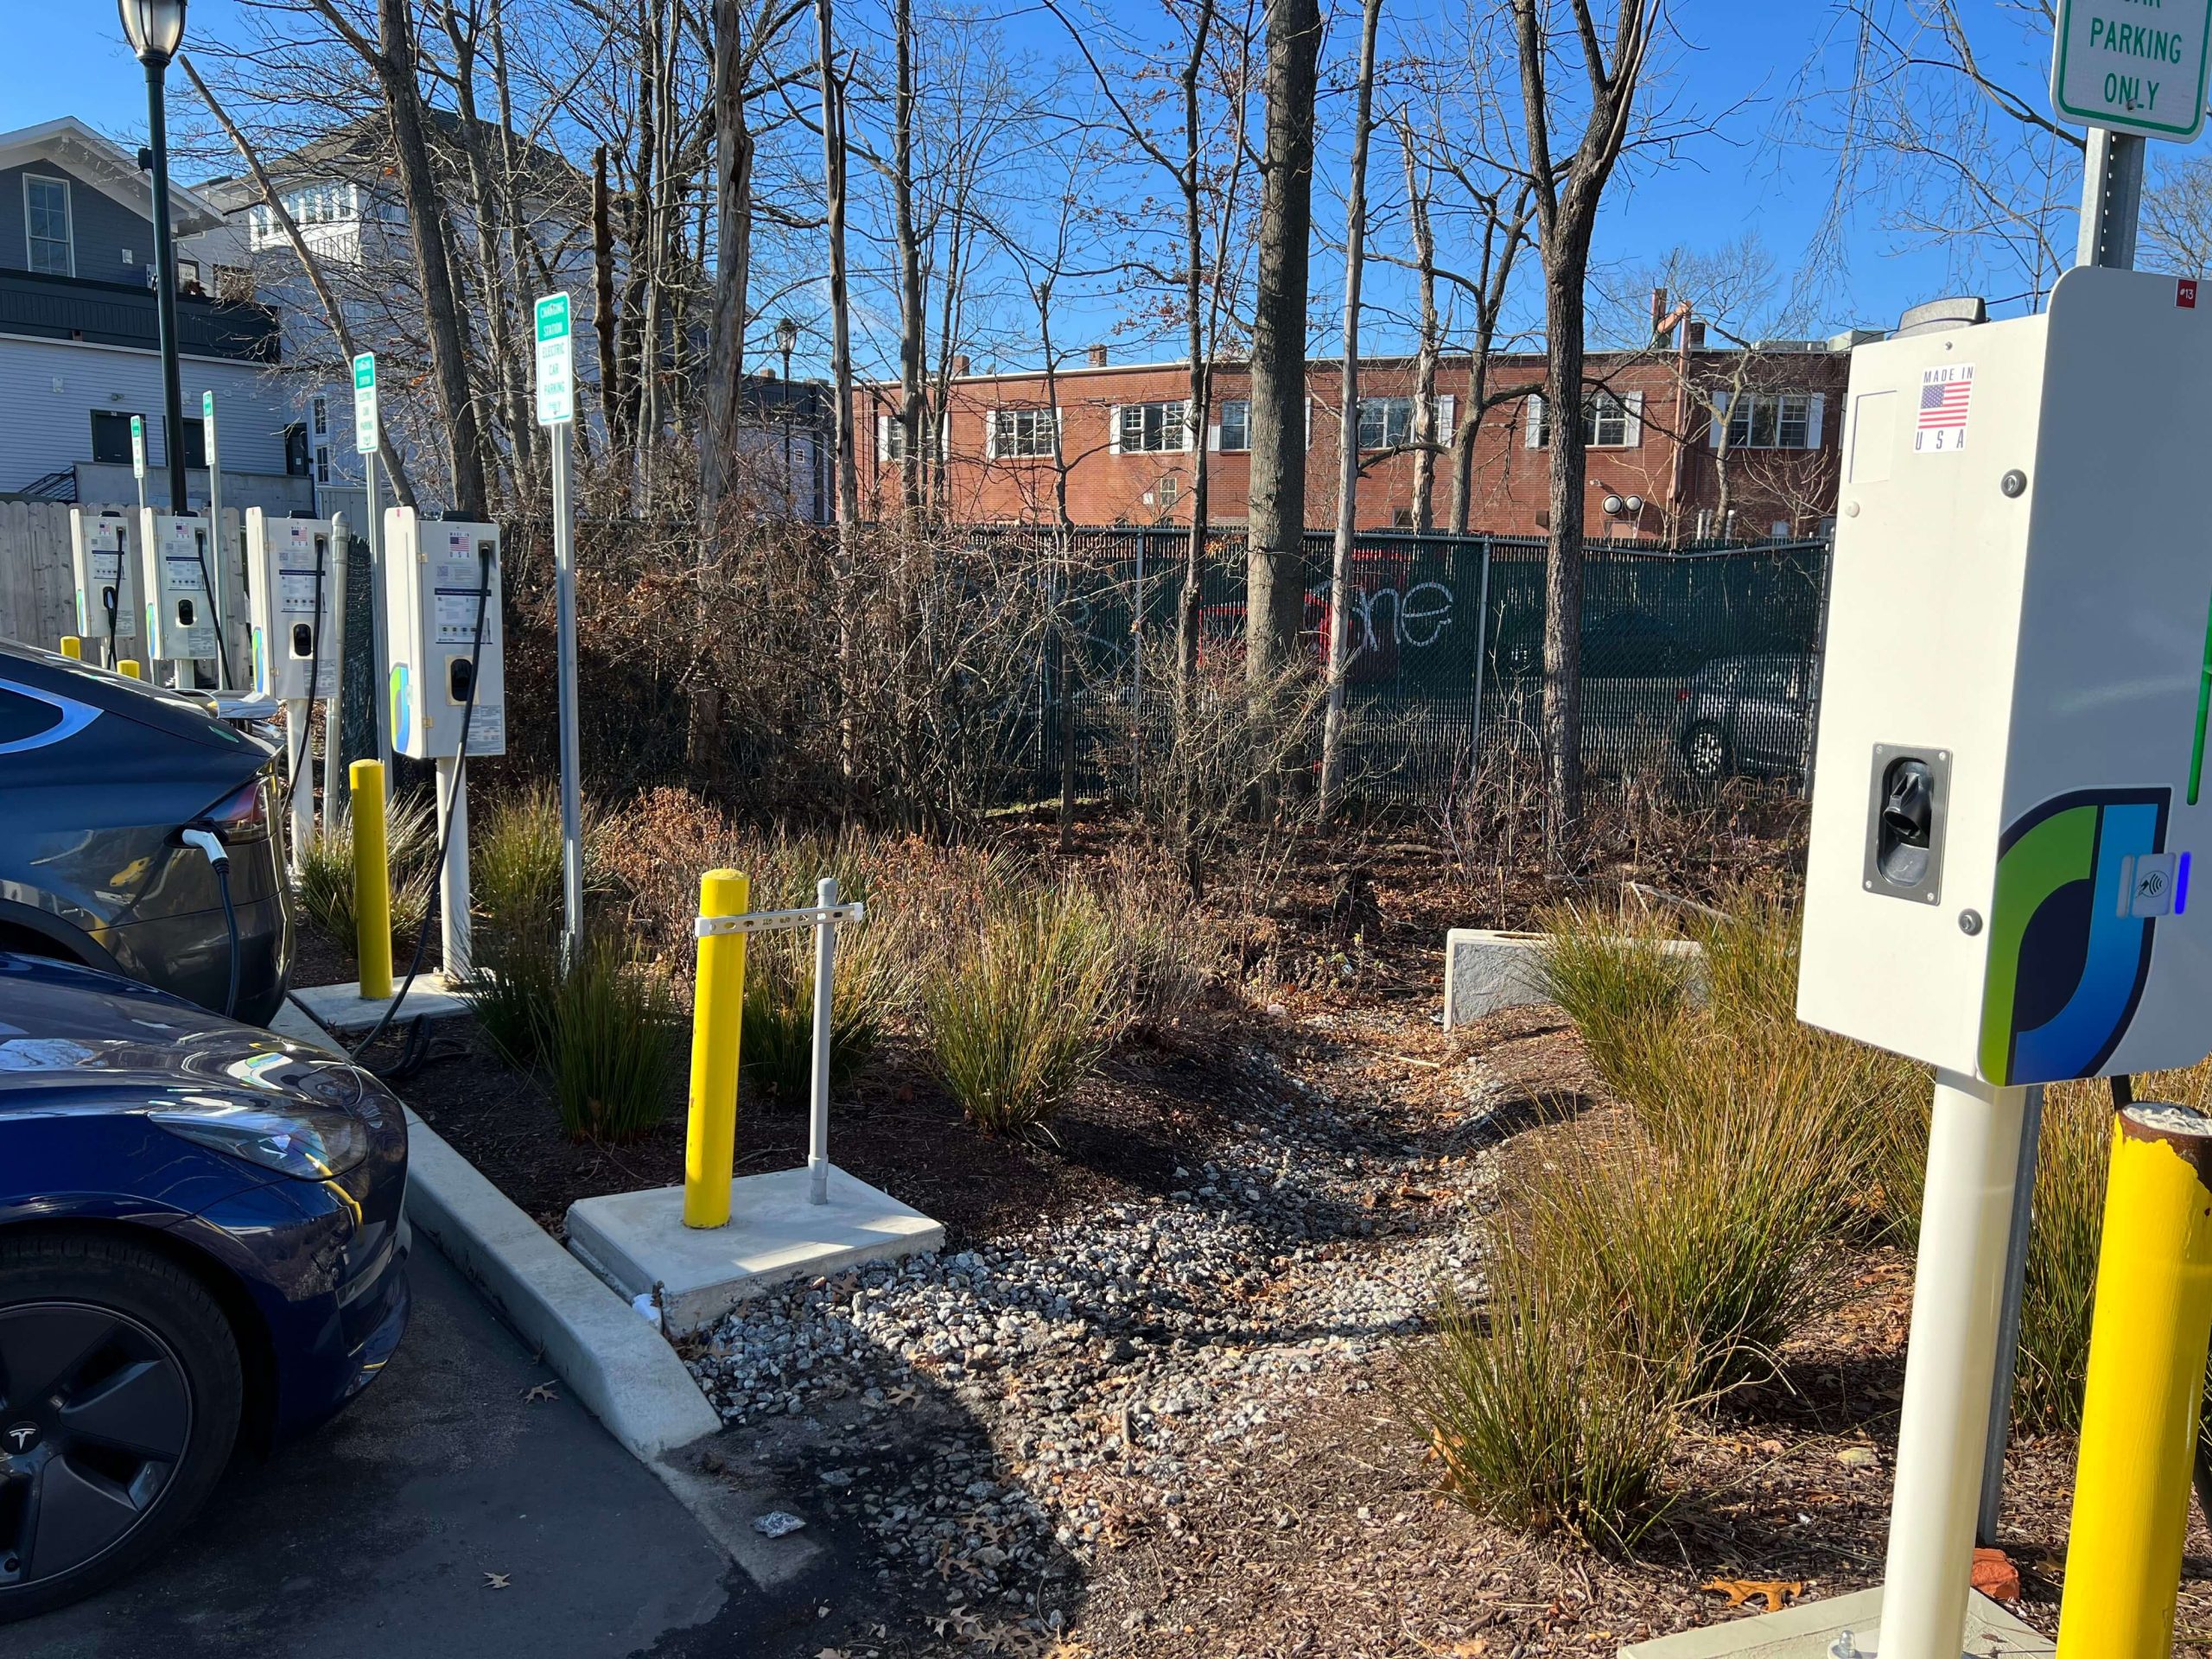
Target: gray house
78, 342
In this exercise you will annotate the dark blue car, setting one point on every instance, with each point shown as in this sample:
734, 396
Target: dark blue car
201, 1243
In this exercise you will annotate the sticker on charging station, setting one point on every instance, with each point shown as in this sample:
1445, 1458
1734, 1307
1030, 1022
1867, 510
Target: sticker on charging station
458, 590
1946, 401
295, 591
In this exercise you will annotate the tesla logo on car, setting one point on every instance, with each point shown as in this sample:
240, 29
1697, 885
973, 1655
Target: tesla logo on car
21, 1436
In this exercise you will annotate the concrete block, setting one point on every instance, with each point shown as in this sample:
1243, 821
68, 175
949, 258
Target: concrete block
342, 1007
1484, 971
635, 1241
1806, 1631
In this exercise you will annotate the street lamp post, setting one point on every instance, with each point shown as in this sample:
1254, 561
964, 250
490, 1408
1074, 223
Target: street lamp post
156, 29
786, 338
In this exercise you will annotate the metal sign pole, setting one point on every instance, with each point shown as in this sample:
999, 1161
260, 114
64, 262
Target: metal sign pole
218, 579
368, 440
2112, 199
557, 410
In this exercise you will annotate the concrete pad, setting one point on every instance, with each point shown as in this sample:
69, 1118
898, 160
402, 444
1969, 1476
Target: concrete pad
342, 1007
294, 1025
1484, 971
1806, 1631
637, 1241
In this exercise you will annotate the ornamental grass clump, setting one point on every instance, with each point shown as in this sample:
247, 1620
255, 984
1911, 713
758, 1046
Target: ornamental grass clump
1618, 984
1021, 1015
609, 1035
2072, 1157
325, 882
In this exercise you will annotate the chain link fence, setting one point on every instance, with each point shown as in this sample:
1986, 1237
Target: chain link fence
1696, 665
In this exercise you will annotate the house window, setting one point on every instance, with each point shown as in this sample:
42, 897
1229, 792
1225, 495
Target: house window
46, 222
1151, 428
1021, 432
1236, 426
1385, 423
111, 436
322, 463
1609, 421
296, 463
195, 443
321, 421
1759, 420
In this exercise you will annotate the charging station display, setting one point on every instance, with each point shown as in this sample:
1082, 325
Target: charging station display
442, 596
107, 586
178, 563
292, 573
2018, 680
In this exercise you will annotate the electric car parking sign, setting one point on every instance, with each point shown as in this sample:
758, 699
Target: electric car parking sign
2130, 67
556, 362
364, 404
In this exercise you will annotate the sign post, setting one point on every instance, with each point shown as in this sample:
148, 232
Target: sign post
556, 411
2128, 73
218, 580
368, 439
138, 456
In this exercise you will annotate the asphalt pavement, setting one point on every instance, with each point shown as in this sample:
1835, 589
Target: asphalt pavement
448, 1511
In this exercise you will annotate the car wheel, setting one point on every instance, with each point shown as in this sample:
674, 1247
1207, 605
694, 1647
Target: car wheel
120, 1390
1705, 750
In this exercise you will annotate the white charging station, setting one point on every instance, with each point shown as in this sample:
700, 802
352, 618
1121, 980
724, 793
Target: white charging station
2008, 793
180, 561
442, 627
295, 580
107, 585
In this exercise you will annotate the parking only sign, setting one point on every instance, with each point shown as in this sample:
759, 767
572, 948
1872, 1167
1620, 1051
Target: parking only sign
364, 404
138, 446
557, 361
2133, 65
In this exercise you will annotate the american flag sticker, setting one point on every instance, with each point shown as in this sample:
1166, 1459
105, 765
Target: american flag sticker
1946, 399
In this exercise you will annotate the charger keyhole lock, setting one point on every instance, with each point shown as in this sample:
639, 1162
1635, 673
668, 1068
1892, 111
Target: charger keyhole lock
1905, 821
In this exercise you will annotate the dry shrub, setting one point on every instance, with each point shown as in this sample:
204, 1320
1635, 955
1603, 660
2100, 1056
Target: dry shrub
2057, 1293
1170, 958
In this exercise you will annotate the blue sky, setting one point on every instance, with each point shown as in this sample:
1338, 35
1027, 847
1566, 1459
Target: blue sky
1744, 57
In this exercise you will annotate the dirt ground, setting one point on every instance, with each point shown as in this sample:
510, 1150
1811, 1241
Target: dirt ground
1332, 1539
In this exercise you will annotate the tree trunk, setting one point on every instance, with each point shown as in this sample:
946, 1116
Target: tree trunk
606, 319
1424, 433
394, 63
1339, 649
1562, 715
733, 267
910, 269
1189, 612
1276, 563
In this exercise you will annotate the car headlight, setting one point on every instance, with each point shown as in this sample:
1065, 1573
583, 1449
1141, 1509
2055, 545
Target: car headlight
308, 1145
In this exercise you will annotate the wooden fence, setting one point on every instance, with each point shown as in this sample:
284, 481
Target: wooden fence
38, 584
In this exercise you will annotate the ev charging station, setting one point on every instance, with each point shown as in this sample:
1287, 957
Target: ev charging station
441, 608
107, 584
178, 560
296, 577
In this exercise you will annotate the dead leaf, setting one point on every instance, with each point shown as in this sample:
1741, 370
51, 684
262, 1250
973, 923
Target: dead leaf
1774, 1591
539, 1391
495, 1580
1995, 1576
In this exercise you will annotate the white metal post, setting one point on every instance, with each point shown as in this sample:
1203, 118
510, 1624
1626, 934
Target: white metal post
452, 874
218, 579
1974, 1154
334, 706
825, 967
564, 591
380, 657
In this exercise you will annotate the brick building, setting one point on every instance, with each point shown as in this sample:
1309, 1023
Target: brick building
1686, 442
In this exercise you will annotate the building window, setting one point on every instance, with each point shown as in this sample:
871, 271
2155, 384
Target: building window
322, 463
296, 464
1021, 432
1236, 426
46, 223
111, 436
895, 439
1758, 420
195, 441
1170, 491
1151, 428
321, 406
1610, 421
1385, 423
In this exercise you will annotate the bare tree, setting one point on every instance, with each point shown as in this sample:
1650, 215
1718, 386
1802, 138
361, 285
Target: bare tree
1567, 191
841, 342
1275, 562
1338, 663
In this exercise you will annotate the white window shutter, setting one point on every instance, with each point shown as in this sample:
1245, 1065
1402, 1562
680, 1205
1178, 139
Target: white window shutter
991, 435
1815, 419
882, 440
1447, 409
1720, 425
1060, 432
1309, 420
1632, 424
1532, 435
1114, 429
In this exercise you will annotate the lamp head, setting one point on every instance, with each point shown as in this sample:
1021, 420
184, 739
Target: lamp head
154, 28
786, 333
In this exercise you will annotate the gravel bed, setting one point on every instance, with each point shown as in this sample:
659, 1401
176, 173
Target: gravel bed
1119, 1360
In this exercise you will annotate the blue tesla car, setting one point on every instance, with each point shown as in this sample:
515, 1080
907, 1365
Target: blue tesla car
201, 1243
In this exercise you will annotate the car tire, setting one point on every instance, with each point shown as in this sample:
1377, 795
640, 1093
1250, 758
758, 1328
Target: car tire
1705, 752
113, 1453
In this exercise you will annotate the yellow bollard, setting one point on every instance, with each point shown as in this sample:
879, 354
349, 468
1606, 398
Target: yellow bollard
372, 880
2147, 1336
72, 648
128, 668
717, 1023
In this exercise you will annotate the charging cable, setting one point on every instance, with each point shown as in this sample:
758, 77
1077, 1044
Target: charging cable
315, 678
218, 856
445, 840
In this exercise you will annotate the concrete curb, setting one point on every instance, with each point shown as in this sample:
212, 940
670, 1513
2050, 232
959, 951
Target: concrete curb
619, 1366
